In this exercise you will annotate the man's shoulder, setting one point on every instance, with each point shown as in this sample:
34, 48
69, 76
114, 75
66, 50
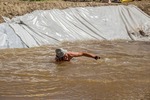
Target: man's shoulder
75, 53
71, 52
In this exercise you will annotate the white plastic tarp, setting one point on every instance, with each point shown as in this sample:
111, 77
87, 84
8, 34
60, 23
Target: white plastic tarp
43, 27
8, 38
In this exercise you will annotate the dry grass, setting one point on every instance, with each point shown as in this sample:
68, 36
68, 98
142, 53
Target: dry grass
11, 8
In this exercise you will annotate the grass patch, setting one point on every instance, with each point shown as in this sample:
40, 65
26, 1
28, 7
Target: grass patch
33, 0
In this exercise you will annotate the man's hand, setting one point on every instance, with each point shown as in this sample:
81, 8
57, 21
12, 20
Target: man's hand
96, 57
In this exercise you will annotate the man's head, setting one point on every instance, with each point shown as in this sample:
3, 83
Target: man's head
60, 52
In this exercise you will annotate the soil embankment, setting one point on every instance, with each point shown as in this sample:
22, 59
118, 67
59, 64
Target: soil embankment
16, 8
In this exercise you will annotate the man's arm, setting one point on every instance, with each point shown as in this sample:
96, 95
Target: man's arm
78, 54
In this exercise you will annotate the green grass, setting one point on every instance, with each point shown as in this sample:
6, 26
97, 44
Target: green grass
32, 0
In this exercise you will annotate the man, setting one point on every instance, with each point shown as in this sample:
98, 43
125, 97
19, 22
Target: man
64, 55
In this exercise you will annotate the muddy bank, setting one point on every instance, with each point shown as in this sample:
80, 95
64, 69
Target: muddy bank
17, 8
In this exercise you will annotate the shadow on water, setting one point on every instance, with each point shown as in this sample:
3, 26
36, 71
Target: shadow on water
122, 72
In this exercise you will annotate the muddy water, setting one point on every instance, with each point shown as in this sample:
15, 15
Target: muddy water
122, 73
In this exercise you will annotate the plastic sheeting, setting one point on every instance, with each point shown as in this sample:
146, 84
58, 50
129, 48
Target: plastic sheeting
43, 27
8, 38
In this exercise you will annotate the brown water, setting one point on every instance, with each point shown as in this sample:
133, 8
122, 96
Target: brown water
123, 73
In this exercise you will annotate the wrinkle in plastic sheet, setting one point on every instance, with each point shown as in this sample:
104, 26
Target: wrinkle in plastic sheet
9, 39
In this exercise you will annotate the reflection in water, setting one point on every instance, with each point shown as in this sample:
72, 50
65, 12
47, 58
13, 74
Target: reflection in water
122, 73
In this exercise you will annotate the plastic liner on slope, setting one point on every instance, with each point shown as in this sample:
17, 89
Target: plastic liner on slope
43, 27
8, 38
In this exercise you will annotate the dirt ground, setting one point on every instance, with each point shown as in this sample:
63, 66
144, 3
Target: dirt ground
11, 8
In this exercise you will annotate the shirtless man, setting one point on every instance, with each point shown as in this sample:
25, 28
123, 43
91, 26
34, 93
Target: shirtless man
64, 55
